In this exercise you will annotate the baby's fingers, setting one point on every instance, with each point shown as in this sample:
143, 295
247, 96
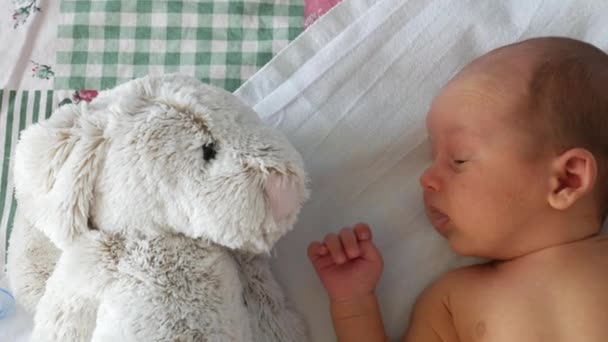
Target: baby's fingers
363, 232
350, 243
367, 248
316, 250
336, 250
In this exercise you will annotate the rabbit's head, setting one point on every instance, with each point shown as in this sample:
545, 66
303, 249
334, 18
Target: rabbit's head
161, 155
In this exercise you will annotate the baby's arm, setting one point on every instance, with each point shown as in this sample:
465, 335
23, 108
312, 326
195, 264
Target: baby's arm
349, 266
358, 320
431, 319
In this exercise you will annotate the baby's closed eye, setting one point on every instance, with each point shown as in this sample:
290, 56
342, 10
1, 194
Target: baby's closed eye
458, 164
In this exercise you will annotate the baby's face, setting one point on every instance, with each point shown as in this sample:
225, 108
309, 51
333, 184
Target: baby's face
485, 185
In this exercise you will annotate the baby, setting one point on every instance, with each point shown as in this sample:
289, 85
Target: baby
520, 177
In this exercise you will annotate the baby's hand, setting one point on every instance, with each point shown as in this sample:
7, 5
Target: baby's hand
348, 264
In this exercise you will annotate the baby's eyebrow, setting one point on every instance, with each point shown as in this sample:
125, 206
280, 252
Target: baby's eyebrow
454, 136
455, 130
460, 131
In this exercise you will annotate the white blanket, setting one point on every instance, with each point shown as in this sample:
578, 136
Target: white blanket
352, 92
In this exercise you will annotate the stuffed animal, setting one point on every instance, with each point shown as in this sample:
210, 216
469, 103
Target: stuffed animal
149, 214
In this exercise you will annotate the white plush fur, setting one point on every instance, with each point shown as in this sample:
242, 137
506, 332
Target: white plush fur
125, 232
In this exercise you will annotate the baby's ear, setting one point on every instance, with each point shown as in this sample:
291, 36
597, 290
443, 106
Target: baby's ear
573, 176
56, 164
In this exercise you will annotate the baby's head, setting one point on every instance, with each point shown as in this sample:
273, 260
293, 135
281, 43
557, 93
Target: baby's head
520, 149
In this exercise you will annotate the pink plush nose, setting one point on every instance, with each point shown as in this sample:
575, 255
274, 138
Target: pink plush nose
282, 192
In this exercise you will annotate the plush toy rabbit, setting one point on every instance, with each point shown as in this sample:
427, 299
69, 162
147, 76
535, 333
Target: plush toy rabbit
148, 215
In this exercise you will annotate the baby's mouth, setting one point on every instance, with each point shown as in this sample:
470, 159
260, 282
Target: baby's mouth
438, 218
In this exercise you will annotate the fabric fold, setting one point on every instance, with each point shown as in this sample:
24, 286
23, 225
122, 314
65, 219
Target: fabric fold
352, 97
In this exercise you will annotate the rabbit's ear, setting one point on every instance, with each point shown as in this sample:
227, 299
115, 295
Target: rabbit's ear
56, 165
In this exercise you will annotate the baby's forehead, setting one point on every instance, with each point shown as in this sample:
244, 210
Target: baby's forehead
498, 80
480, 104
488, 94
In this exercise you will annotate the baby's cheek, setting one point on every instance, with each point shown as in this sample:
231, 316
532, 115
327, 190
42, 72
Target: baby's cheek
483, 200
516, 193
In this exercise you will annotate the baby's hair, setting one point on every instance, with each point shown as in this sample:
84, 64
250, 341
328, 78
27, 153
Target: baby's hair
569, 89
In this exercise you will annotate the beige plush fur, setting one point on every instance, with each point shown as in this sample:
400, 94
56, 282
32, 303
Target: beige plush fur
148, 215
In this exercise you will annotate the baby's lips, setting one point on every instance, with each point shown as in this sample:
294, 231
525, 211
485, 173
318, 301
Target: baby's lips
437, 217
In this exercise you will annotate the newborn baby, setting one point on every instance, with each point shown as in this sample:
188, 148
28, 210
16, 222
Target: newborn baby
520, 177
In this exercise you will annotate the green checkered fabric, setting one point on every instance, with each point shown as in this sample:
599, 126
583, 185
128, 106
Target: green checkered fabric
105, 43
18, 110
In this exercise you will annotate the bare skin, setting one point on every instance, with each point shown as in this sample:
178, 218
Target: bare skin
491, 193
552, 295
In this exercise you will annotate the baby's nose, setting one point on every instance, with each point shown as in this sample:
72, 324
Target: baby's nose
429, 180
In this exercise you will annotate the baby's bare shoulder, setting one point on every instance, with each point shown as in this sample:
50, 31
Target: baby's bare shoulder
459, 286
437, 308
516, 300
432, 319
463, 278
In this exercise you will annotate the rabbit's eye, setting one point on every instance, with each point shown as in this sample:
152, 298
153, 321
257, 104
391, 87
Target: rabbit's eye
209, 151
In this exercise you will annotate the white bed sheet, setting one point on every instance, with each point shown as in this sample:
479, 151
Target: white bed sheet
352, 93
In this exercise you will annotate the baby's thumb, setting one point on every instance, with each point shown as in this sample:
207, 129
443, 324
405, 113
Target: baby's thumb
369, 251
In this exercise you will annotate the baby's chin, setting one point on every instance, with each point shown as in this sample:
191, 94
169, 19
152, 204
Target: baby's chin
464, 247
459, 242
